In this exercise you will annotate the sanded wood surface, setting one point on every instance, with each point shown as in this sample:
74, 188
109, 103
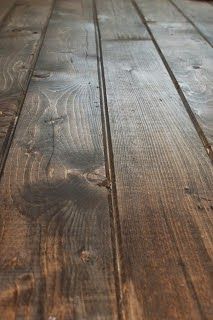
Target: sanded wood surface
56, 254
5, 7
189, 57
164, 188
200, 13
20, 40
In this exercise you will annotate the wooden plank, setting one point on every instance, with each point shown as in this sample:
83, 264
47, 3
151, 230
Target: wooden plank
113, 26
189, 58
56, 253
163, 183
200, 13
21, 36
5, 7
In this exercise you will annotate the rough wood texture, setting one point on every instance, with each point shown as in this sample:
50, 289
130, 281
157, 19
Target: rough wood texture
200, 13
164, 187
5, 7
116, 24
20, 38
56, 259
189, 57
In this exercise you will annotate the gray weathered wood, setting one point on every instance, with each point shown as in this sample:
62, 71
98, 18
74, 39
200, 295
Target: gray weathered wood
200, 13
20, 39
164, 188
116, 24
188, 56
56, 255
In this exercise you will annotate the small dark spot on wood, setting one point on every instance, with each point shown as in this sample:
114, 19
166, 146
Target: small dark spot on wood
16, 30
35, 32
41, 75
54, 120
105, 183
196, 67
187, 190
200, 207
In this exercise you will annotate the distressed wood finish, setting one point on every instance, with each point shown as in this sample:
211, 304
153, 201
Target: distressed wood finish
189, 57
5, 7
116, 24
164, 188
20, 39
200, 13
56, 254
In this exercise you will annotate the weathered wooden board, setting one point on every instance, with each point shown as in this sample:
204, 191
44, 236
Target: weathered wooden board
5, 7
56, 257
116, 24
200, 13
164, 188
189, 57
20, 39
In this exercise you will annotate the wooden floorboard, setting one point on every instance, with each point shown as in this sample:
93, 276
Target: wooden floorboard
189, 60
106, 188
56, 253
200, 13
21, 36
163, 182
113, 26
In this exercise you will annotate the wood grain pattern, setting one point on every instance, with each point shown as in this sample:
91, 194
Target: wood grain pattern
116, 24
200, 13
20, 37
56, 253
189, 57
5, 7
164, 187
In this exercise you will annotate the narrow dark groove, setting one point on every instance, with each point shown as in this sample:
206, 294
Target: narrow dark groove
192, 23
11, 130
7, 15
199, 130
110, 174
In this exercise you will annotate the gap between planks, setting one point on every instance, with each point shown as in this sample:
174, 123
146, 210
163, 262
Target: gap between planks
192, 23
12, 127
110, 173
196, 124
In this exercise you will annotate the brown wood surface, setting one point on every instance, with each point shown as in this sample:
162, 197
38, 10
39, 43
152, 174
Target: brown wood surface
163, 180
200, 13
56, 255
189, 59
21, 36
107, 190
5, 7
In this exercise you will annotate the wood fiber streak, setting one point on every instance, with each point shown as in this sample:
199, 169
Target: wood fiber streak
164, 183
20, 39
200, 13
188, 56
56, 259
